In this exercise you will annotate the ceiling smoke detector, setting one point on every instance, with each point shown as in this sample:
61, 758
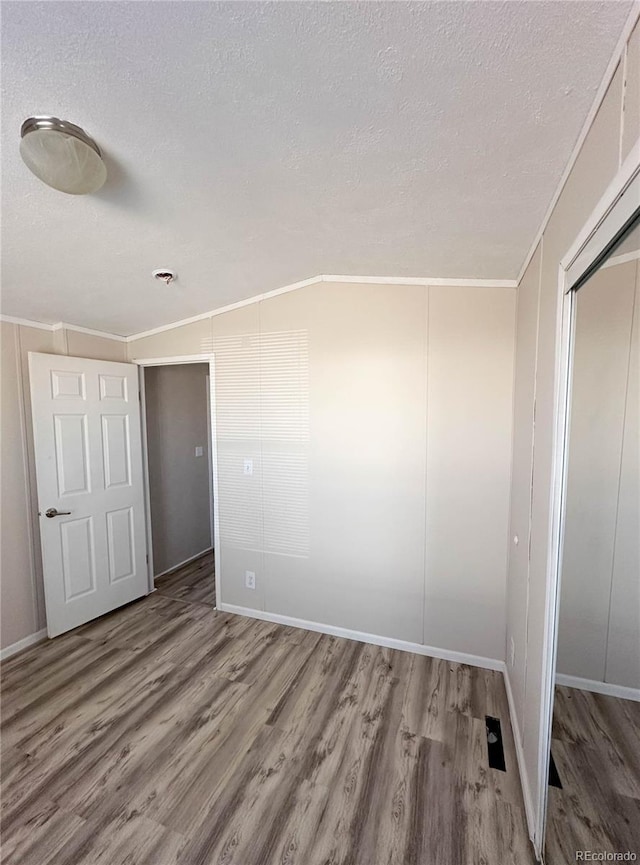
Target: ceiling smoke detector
165, 275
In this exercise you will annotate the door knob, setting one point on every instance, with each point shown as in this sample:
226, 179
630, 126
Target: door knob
54, 512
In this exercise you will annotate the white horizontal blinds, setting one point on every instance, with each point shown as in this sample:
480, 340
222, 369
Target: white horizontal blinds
284, 370
238, 439
262, 416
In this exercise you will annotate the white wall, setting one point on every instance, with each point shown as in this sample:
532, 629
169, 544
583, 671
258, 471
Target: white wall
608, 142
469, 405
378, 419
598, 533
21, 588
177, 422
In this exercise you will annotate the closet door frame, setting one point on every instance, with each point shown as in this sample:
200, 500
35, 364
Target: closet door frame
615, 212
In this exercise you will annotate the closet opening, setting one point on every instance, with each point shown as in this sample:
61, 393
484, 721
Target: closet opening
176, 396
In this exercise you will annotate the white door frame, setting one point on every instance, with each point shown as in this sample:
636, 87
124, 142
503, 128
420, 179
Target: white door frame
610, 216
172, 361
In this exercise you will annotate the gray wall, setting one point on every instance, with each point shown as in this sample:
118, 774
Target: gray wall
176, 405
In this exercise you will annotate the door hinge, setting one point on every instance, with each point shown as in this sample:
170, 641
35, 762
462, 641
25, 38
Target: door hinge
147, 558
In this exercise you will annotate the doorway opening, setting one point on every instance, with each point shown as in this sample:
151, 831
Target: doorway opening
179, 462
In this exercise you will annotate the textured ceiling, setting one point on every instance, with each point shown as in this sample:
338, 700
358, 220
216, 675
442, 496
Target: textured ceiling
251, 145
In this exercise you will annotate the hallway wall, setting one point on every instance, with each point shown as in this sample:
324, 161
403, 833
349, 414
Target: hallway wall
179, 488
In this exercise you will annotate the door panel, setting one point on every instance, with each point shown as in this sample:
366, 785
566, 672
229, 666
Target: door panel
71, 453
89, 469
78, 557
66, 385
116, 450
113, 387
121, 544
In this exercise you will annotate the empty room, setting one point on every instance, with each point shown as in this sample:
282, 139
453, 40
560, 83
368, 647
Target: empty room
320, 432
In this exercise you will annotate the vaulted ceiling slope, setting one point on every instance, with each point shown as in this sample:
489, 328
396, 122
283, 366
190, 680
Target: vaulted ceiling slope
251, 145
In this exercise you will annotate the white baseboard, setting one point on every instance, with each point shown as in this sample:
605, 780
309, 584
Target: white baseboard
182, 564
606, 688
24, 643
522, 768
361, 637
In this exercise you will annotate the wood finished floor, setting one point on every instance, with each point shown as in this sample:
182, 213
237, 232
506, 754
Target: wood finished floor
596, 748
194, 582
167, 733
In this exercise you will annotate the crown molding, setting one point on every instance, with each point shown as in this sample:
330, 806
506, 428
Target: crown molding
61, 325
422, 280
327, 277
26, 322
220, 310
618, 56
258, 298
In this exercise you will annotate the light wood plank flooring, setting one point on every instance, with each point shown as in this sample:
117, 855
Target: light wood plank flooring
194, 582
167, 733
596, 748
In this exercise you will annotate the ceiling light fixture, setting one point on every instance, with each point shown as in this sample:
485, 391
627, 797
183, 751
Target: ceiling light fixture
62, 155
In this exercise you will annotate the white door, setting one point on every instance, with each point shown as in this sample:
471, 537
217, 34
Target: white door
88, 452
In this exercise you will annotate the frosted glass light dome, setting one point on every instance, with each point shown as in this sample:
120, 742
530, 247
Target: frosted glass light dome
62, 155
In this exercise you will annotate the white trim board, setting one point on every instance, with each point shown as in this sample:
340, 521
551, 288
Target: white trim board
183, 563
24, 643
421, 280
26, 322
618, 56
76, 328
172, 361
258, 298
362, 637
61, 325
606, 688
315, 280
617, 205
522, 766
209, 359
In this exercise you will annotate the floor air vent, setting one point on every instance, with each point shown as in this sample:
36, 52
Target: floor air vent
494, 744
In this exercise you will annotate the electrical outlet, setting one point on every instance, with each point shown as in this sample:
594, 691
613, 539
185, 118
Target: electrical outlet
512, 658
250, 579
248, 467
199, 451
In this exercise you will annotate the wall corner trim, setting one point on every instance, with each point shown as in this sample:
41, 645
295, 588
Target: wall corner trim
522, 767
24, 643
362, 637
